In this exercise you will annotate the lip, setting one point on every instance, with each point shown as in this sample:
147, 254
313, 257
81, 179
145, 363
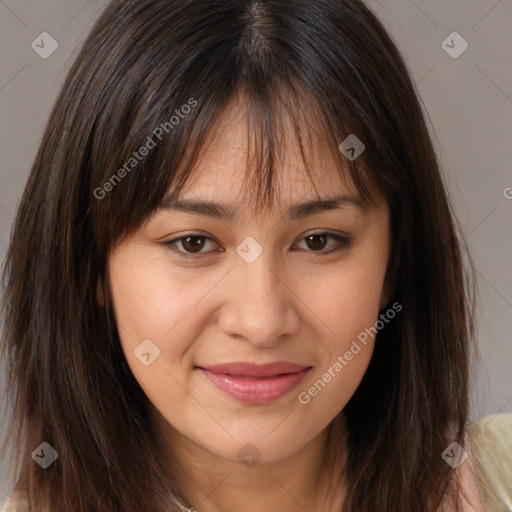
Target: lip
255, 384
243, 369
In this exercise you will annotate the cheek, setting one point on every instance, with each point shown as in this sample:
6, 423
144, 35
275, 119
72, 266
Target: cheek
169, 307
151, 300
347, 306
347, 300
152, 303
348, 310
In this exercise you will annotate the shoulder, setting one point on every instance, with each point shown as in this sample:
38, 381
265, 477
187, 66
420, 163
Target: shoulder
491, 447
8, 506
14, 503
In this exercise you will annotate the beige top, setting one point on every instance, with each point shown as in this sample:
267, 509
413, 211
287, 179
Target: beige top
491, 446
491, 443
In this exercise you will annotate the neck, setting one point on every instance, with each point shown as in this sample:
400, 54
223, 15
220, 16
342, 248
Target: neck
313, 478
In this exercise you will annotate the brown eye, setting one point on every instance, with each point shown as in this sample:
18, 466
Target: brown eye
193, 243
316, 242
190, 245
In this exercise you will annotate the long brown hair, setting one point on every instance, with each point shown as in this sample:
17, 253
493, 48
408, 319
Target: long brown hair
330, 67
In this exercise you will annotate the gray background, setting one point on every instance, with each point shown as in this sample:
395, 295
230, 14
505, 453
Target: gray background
468, 99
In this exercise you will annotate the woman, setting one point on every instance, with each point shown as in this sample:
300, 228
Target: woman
234, 280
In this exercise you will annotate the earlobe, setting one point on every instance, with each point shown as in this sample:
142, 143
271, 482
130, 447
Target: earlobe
385, 296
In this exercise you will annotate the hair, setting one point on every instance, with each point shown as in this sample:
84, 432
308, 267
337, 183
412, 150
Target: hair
330, 69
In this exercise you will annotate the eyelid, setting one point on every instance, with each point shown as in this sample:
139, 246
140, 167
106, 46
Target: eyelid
344, 242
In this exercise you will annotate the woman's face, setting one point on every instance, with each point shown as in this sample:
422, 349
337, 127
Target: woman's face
267, 288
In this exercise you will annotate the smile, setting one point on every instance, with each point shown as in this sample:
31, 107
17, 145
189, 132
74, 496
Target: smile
252, 384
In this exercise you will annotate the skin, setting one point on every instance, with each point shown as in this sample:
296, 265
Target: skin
294, 303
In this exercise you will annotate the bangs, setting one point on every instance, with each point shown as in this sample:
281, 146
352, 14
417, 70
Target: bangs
175, 148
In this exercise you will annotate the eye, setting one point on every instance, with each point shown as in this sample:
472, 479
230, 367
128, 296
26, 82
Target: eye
317, 242
193, 244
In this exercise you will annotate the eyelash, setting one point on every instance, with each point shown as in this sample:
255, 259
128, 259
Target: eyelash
343, 243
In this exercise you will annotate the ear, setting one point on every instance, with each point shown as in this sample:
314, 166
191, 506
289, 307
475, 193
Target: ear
383, 300
386, 294
99, 293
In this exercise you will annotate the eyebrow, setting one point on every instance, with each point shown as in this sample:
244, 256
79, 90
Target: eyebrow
225, 212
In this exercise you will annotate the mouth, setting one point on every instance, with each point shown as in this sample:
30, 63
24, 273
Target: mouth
255, 384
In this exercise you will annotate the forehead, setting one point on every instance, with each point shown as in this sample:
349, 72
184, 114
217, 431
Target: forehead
228, 158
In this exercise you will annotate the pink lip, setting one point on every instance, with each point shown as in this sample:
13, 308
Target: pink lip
241, 369
255, 384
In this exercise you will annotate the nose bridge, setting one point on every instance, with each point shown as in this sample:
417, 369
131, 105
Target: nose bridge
258, 280
259, 307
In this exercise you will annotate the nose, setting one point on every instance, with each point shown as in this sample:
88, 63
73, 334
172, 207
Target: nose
261, 306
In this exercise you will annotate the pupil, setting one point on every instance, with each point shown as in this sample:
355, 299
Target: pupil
194, 247
316, 245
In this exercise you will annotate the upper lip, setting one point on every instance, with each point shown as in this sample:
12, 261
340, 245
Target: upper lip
243, 369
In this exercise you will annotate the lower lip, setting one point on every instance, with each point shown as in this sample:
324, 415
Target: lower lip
252, 390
